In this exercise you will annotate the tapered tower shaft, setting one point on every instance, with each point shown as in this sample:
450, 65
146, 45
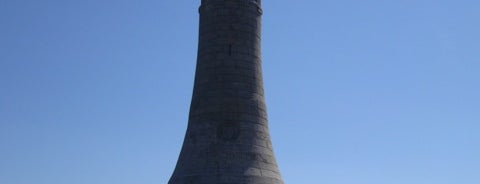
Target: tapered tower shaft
227, 139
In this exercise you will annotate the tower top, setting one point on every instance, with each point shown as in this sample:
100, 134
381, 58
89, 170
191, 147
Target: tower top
212, 5
218, 1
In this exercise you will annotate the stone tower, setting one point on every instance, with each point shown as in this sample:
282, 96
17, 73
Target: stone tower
227, 139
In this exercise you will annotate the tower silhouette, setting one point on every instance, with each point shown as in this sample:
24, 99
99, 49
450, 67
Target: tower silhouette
227, 139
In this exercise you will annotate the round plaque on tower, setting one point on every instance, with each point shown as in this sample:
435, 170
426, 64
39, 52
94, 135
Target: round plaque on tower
228, 131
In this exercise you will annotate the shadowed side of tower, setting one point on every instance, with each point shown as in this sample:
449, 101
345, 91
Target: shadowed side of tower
227, 139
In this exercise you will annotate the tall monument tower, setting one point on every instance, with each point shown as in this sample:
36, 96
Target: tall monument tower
227, 139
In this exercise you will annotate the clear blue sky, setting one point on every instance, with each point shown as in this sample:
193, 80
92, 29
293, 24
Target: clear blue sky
358, 92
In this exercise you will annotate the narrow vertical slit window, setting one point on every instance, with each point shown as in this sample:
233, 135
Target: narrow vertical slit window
230, 49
